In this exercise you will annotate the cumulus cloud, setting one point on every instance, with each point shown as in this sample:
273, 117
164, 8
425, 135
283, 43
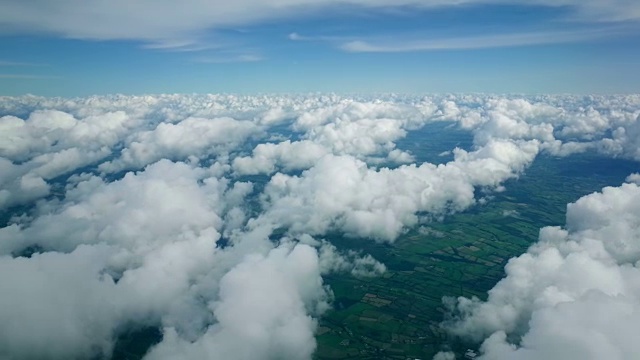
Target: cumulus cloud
361, 266
634, 178
152, 206
564, 125
58, 305
192, 137
47, 130
17, 187
153, 233
341, 192
364, 130
50, 143
262, 311
287, 155
142, 250
574, 294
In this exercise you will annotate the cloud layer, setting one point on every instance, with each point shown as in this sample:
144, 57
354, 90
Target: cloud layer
125, 212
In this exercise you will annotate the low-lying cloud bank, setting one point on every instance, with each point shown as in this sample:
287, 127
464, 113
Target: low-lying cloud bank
125, 212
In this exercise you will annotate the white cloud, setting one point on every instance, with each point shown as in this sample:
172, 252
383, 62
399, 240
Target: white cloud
634, 178
51, 143
192, 137
366, 131
153, 207
58, 305
332, 260
262, 312
18, 188
288, 155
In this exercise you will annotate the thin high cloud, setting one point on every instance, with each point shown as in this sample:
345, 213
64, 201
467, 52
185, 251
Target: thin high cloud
224, 59
180, 46
23, 66
294, 36
28, 76
20, 64
473, 42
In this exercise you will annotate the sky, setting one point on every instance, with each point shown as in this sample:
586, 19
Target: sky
76, 48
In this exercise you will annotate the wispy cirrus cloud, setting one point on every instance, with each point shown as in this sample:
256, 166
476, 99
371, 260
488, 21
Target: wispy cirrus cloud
21, 64
294, 36
28, 76
12, 65
222, 59
473, 42
179, 46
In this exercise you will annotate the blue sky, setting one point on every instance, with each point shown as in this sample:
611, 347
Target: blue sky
251, 46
